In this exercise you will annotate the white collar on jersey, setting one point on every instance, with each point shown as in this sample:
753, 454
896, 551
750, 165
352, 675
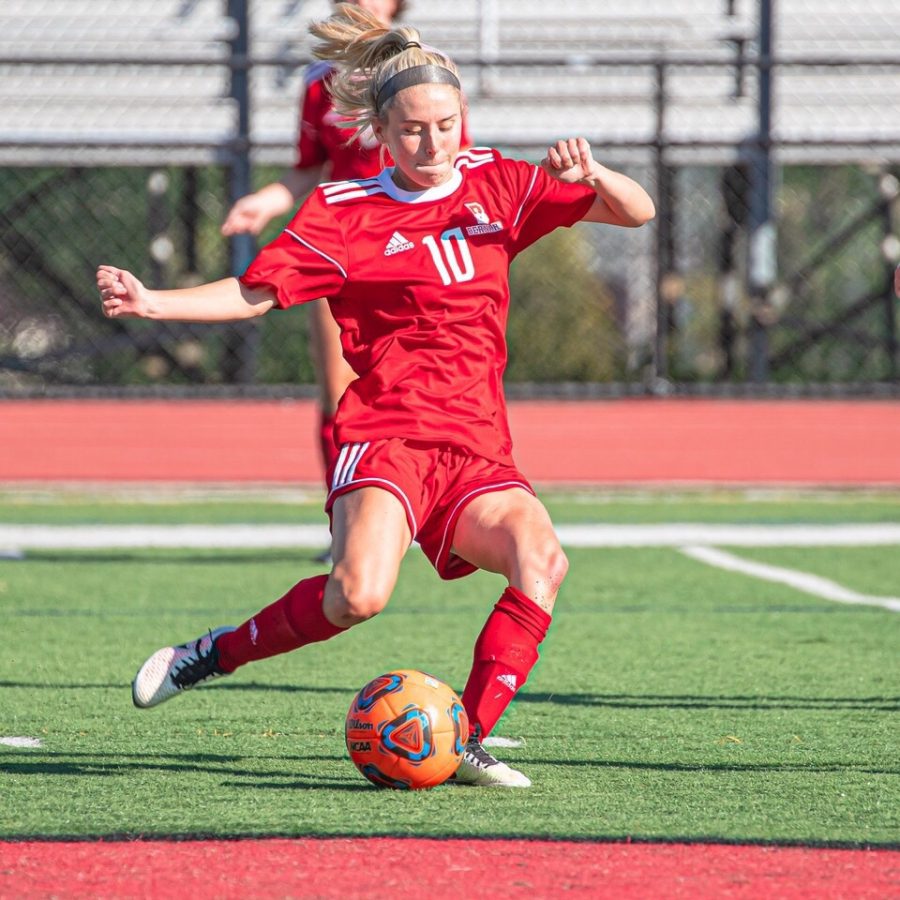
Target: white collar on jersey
435, 193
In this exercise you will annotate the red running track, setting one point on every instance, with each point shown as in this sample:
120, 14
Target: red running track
382, 868
615, 442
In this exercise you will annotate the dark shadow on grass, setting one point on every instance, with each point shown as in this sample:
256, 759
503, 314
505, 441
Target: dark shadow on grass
79, 764
699, 768
608, 701
640, 701
93, 765
353, 786
637, 701
446, 834
699, 701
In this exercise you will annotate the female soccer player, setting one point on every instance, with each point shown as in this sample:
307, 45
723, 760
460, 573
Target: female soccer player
323, 151
414, 263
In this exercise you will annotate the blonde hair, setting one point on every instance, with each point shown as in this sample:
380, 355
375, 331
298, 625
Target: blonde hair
398, 12
367, 53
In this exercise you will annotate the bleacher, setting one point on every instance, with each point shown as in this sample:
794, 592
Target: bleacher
87, 95
71, 108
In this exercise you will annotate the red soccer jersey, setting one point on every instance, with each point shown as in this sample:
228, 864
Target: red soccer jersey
419, 284
321, 140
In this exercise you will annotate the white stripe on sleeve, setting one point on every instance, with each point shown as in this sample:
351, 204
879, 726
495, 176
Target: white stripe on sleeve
309, 246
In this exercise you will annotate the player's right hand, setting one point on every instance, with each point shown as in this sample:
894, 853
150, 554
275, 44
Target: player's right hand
248, 216
121, 294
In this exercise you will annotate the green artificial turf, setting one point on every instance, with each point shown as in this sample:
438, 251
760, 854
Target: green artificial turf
672, 700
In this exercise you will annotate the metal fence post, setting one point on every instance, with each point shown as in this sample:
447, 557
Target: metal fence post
663, 239
762, 263
242, 340
733, 184
890, 312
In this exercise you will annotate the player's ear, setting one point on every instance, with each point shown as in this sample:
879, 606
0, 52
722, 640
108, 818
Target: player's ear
379, 127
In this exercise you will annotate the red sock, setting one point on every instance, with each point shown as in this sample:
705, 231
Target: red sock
328, 446
505, 653
294, 620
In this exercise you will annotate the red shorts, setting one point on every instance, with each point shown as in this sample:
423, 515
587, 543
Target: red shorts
433, 482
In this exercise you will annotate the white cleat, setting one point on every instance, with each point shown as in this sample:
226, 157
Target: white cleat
479, 769
175, 669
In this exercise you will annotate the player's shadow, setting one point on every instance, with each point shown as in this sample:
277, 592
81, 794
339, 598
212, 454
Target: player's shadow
302, 785
607, 701
603, 701
709, 767
632, 701
700, 701
95, 765
289, 688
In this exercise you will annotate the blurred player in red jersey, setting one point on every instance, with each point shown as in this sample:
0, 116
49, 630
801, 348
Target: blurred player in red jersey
324, 151
414, 263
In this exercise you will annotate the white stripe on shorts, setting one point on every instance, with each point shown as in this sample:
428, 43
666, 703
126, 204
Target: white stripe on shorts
397, 492
348, 460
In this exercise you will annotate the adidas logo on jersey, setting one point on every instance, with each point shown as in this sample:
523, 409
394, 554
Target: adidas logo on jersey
397, 244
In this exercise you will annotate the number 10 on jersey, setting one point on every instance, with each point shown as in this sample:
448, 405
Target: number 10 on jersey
451, 256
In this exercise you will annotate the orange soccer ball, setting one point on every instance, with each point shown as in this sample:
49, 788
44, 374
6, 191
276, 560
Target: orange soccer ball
406, 730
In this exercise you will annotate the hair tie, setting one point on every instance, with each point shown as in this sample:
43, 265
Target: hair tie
409, 44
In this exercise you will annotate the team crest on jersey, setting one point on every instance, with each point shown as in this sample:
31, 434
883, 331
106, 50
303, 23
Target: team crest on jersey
485, 225
477, 210
397, 244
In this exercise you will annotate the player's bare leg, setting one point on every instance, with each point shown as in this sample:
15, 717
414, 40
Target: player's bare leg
510, 533
371, 535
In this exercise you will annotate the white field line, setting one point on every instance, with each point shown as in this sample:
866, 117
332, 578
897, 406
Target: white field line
801, 581
96, 537
495, 740
219, 537
21, 742
696, 541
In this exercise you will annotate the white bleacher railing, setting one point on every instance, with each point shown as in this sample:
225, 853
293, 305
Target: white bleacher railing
109, 82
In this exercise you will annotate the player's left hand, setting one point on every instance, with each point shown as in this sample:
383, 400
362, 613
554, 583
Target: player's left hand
569, 160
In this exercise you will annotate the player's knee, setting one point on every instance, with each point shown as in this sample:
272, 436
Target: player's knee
548, 563
356, 598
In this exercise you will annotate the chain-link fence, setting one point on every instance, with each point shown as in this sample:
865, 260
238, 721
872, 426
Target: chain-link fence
768, 133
